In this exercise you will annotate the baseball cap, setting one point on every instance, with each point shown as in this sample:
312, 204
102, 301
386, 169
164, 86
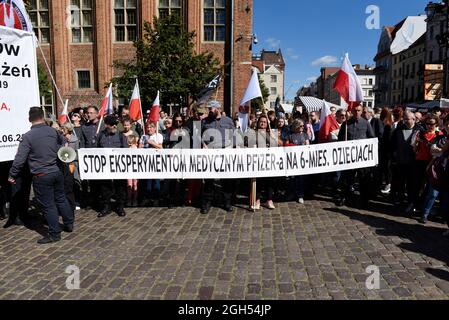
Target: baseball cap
214, 104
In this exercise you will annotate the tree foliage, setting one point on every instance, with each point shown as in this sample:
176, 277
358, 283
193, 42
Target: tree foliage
45, 87
166, 60
258, 104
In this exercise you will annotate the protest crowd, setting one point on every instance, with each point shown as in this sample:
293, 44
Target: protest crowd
412, 170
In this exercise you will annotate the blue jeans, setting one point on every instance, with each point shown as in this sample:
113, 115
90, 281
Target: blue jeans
431, 196
153, 188
49, 190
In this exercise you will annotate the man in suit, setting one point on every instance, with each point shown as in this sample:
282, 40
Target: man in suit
376, 124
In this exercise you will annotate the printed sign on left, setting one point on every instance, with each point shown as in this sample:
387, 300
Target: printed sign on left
19, 88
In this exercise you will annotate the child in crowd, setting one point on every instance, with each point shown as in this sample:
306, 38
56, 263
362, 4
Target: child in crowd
299, 137
128, 128
133, 143
152, 140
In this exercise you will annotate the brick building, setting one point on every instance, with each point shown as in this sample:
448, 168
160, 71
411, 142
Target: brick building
82, 38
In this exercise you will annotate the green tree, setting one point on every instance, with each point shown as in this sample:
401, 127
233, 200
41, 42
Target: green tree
258, 104
166, 60
45, 87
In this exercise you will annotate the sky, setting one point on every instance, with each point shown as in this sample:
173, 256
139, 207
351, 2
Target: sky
313, 34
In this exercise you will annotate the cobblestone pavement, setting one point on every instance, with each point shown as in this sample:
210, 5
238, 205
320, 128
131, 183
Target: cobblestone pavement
311, 251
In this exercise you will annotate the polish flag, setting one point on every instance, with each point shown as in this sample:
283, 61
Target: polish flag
135, 106
64, 116
155, 111
106, 106
328, 123
348, 84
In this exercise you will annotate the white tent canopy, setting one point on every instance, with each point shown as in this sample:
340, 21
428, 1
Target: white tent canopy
412, 29
314, 104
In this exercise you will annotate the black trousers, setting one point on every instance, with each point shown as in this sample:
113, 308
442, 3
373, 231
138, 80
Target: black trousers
20, 196
265, 185
403, 181
209, 191
69, 184
349, 178
110, 188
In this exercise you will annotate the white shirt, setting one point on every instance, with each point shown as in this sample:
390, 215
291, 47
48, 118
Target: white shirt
157, 138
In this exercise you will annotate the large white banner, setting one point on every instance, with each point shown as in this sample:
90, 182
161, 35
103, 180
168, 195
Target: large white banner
119, 164
19, 88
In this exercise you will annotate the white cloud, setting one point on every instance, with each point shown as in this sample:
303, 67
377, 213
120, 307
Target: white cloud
273, 43
292, 54
311, 79
326, 60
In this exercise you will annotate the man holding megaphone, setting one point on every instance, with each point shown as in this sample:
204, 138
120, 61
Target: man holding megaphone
39, 148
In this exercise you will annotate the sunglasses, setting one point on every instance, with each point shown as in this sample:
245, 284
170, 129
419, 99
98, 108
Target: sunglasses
431, 123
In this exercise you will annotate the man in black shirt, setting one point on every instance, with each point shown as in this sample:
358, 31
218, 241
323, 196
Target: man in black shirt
356, 128
39, 148
112, 138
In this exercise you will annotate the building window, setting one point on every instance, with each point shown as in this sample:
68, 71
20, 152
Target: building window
370, 81
370, 104
430, 56
274, 79
167, 7
214, 20
431, 32
81, 12
273, 91
370, 93
39, 15
394, 85
273, 104
84, 80
125, 20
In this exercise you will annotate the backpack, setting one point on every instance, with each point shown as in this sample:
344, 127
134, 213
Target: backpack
438, 173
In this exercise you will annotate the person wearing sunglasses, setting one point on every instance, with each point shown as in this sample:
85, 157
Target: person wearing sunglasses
438, 148
422, 145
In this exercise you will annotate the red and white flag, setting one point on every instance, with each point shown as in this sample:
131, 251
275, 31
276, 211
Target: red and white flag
135, 106
107, 107
328, 123
348, 84
154, 114
64, 116
14, 15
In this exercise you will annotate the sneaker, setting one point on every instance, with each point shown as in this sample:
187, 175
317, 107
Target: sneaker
423, 220
387, 189
301, 201
77, 208
48, 240
270, 205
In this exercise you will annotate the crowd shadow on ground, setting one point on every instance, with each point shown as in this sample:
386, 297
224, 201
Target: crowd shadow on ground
422, 239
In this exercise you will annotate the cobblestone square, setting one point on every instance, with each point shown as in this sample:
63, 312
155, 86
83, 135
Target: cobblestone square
311, 251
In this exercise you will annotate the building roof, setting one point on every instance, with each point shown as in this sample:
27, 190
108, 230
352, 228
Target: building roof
272, 57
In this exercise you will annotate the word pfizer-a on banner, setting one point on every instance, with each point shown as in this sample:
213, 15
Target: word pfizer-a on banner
101, 164
19, 87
